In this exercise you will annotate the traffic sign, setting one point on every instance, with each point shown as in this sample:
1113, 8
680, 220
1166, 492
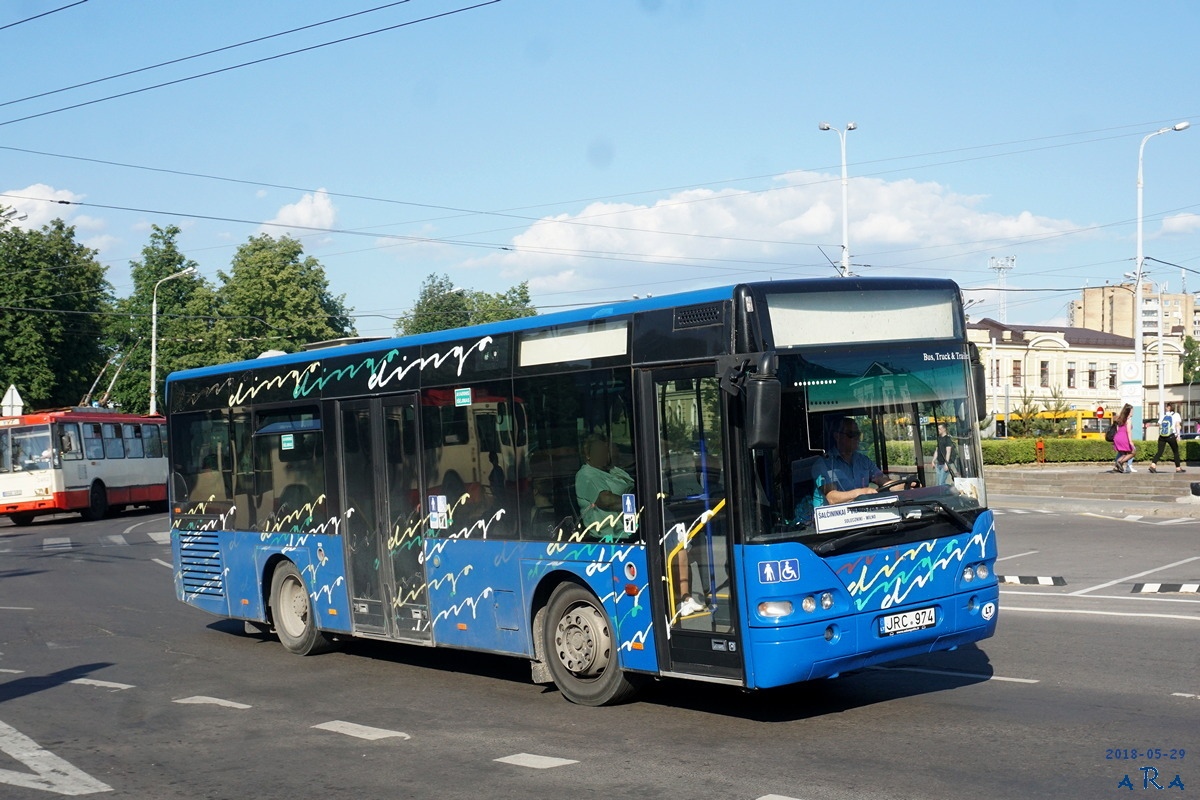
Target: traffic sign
1100, 412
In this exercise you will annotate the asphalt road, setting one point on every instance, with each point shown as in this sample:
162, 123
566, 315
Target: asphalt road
109, 686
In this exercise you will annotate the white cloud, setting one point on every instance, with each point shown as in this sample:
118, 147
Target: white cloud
710, 236
1181, 223
313, 210
40, 203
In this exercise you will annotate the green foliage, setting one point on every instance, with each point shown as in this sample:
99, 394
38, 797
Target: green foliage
1060, 451
1058, 423
1022, 421
442, 306
274, 298
179, 335
53, 300
1191, 360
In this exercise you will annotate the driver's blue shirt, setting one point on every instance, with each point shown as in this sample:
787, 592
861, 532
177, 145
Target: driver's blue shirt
835, 471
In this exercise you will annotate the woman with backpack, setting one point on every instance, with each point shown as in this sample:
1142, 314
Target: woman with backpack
1118, 434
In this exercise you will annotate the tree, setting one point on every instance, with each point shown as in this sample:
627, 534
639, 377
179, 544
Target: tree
275, 298
1191, 360
179, 333
1023, 420
1061, 421
442, 306
53, 298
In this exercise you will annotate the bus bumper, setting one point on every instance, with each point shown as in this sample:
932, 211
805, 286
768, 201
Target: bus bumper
826, 647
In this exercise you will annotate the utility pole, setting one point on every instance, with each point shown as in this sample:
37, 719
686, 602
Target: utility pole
1002, 266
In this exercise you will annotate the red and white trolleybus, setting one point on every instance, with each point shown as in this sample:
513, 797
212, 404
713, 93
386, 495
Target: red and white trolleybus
81, 459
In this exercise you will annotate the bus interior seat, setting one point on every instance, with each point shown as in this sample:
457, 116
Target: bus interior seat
803, 486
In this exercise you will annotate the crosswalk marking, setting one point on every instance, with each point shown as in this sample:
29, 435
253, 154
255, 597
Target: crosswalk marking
160, 537
56, 543
114, 538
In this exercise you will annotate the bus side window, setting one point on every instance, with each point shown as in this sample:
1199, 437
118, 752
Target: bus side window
132, 436
152, 440
69, 446
93, 441
114, 447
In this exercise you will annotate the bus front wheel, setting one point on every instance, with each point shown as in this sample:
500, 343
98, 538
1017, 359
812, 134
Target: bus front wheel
97, 506
580, 650
292, 613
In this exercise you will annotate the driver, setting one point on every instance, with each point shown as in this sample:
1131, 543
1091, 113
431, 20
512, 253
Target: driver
845, 473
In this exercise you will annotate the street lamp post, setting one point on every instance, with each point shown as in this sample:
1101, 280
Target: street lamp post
850, 126
154, 337
1138, 345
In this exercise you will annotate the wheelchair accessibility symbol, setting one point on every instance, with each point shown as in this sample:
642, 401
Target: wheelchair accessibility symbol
787, 569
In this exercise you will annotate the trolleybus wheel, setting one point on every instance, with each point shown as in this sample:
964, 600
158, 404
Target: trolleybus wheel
580, 650
21, 518
97, 505
292, 613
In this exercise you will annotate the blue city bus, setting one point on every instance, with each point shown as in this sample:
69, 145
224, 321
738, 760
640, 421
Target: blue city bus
443, 489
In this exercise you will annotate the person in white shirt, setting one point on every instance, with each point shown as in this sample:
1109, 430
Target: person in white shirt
1168, 436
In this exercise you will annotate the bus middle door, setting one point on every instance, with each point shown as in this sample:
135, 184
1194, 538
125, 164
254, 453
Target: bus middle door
688, 527
380, 459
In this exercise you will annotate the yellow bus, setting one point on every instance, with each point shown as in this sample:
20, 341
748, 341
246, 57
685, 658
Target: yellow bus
1080, 423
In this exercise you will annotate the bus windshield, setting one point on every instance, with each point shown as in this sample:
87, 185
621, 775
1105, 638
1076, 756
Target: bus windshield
900, 414
25, 448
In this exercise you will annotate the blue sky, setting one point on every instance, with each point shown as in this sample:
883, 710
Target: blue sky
610, 148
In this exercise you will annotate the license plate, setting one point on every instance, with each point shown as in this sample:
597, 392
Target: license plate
907, 621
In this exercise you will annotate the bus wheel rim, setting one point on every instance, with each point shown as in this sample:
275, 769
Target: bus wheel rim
581, 641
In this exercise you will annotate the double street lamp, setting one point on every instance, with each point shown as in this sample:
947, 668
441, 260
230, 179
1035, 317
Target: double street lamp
154, 337
1138, 334
850, 126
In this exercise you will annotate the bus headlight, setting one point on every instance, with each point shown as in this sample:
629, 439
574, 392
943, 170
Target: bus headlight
809, 604
982, 571
968, 574
775, 608
826, 600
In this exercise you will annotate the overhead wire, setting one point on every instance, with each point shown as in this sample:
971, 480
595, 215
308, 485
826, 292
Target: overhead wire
250, 63
181, 59
43, 14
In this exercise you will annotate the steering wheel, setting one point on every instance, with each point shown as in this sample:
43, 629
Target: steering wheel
908, 482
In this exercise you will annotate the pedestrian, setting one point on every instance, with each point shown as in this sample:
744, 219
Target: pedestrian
1168, 435
1121, 443
944, 458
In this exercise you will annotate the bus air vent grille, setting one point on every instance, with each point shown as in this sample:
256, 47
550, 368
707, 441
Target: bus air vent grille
200, 561
699, 316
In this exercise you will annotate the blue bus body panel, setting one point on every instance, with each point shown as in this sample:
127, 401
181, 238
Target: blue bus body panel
866, 587
224, 573
480, 592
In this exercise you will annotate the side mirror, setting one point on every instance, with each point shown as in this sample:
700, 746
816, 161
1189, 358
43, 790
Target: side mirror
764, 395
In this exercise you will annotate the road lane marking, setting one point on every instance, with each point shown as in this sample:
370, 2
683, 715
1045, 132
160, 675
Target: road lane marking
49, 772
211, 701
535, 762
116, 687
360, 731
1018, 555
165, 564
1138, 598
1185, 694
1132, 577
12, 671
160, 537
1032, 580
1102, 613
56, 543
949, 673
15, 608
115, 539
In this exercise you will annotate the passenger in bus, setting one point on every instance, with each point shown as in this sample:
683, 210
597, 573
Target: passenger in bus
845, 473
599, 486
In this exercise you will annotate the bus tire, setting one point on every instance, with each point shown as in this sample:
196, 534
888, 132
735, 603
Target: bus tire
292, 613
97, 506
580, 650
22, 518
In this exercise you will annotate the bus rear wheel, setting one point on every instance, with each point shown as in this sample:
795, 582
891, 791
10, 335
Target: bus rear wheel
580, 649
97, 506
21, 518
292, 613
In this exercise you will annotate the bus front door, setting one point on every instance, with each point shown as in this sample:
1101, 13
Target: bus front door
380, 459
688, 524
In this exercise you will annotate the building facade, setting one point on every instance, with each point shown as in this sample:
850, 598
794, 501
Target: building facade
1085, 366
